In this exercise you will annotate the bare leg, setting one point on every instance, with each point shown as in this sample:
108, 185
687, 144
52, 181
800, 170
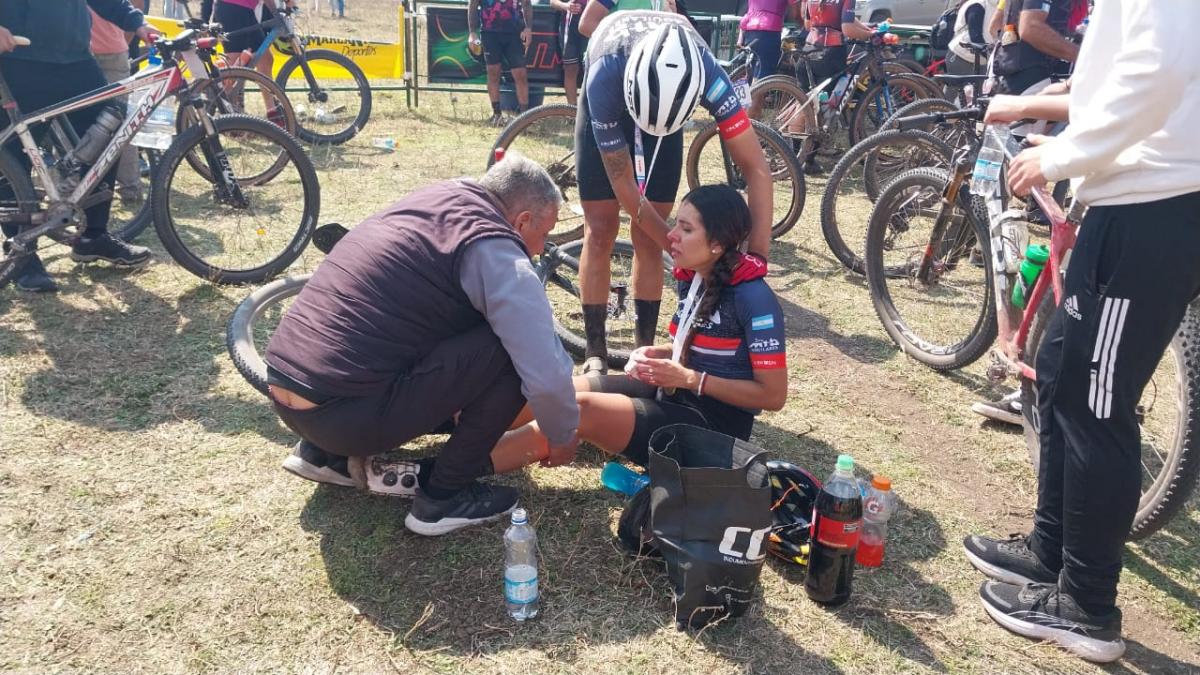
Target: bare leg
571, 82
521, 79
526, 415
601, 220
647, 260
264, 67
605, 420
493, 83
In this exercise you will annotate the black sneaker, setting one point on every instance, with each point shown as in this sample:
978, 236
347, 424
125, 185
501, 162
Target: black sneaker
1006, 410
310, 462
812, 168
33, 278
1008, 560
1044, 612
109, 249
392, 477
477, 503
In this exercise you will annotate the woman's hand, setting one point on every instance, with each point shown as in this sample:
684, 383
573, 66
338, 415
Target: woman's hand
665, 373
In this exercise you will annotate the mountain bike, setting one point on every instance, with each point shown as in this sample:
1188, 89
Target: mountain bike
857, 100
228, 90
1170, 405
231, 224
326, 112
255, 318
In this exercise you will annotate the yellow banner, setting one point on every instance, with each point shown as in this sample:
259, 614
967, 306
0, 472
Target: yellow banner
378, 60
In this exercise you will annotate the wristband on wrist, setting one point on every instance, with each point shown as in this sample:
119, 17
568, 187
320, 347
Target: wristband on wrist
700, 386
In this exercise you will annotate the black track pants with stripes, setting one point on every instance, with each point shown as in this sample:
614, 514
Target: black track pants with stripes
1134, 270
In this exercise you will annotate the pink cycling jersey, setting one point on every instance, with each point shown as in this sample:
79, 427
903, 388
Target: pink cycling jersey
765, 15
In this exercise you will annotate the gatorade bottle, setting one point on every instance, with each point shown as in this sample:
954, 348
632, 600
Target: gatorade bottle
837, 519
1036, 256
878, 506
1009, 37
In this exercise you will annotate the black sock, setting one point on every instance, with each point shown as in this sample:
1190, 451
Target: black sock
646, 321
495, 107
594, 318
435, 491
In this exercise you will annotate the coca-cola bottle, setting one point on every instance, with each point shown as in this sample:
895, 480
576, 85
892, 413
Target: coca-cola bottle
836, 524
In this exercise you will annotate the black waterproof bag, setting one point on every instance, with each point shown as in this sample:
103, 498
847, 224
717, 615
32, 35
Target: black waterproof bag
710, 512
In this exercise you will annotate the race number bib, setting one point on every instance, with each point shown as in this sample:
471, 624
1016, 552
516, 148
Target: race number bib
742, 89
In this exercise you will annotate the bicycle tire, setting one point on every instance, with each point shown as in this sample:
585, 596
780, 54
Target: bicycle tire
145, 213
17, 177
981, 335
562, 170
575, 342
917, 87
1172, 488
239, 332
222, 99
781, 160
363, 87
164, 222
785, 95
831, 227
955, 134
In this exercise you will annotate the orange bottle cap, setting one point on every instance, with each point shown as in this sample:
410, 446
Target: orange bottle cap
881, 482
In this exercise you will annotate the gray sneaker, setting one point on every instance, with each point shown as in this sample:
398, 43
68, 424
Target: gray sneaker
475, 504
1008, 560
1043, 612
1006, 410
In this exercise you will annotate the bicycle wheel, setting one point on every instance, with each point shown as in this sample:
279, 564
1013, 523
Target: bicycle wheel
242, 232
240, 91
335, 105
129, 217
546, 134
1169, 425
779, 102
18, 199
851, 189
254, 321
948, 321
562, 290
882, 99
707, 164
956, 134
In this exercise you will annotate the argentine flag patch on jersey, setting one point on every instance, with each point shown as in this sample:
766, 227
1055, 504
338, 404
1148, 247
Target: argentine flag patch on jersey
763, 322
717, 90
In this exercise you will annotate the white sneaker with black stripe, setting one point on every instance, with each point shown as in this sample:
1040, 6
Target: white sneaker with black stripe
312, 463
1044, 612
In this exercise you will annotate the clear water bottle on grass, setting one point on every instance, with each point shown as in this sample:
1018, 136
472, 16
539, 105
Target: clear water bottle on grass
520, 568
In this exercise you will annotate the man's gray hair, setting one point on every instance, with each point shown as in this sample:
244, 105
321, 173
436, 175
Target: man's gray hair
522, 184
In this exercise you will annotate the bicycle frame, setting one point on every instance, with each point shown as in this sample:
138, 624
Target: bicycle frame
157, 83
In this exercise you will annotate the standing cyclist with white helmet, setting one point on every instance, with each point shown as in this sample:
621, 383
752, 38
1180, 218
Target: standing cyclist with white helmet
646, 73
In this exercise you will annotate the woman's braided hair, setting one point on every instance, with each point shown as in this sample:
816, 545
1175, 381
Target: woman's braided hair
726, 220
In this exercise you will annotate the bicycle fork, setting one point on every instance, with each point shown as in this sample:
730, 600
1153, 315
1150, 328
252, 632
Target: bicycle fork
225, 183
928, 271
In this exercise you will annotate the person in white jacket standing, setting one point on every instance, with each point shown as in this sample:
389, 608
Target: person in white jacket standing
1134, 106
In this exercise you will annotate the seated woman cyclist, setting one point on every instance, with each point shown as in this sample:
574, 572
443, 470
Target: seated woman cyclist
725, 363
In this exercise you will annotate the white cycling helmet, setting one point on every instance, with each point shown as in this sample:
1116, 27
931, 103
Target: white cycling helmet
664, 79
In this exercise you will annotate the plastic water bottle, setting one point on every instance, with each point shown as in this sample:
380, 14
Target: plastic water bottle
520, 568
158, 131
384, 143
878, 506
620, 478
985, 181
839, 89
837, 521
1036, 256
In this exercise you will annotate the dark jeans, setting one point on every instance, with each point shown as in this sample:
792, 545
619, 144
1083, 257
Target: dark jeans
40, 85
766, 47
470, 372
1132, 274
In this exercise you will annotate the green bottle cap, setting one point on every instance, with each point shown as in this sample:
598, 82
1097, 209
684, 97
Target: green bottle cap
1038, 254
845, 463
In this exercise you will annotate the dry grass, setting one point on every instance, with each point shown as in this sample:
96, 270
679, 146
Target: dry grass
145, 525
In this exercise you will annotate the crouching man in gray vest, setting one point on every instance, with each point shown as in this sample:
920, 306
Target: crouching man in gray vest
428, 317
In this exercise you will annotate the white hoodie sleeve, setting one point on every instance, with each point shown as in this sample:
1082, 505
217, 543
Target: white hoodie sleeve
1141, 81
